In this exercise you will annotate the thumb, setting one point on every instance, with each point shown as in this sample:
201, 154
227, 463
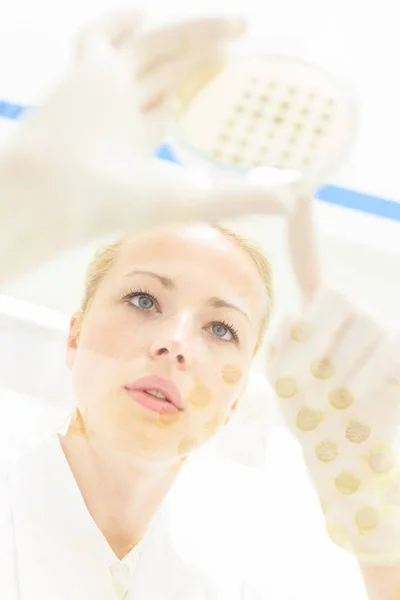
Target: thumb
112, 32
172, 194
236, 200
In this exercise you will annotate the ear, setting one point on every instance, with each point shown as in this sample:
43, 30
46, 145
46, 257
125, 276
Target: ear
73, 338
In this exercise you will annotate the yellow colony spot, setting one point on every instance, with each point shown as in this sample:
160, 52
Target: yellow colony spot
167, 419
326, 451
308, 419
341, 398
212, 426
231, 374
357, 432
301, 331
286, 387
200, 397
367, 518
347, 484
187, 445
322, 368
381, 460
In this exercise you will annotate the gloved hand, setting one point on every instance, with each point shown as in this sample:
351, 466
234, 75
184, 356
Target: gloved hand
118, 101
336, 372
80, 168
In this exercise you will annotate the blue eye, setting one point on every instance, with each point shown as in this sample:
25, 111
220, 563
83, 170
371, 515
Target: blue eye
142, 300
221, 331
224, 332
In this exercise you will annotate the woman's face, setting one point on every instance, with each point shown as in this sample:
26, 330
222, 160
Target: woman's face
177, 315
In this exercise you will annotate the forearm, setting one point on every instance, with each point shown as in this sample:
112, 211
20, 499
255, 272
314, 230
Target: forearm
38, 203
80, 166
88, 115
53, 172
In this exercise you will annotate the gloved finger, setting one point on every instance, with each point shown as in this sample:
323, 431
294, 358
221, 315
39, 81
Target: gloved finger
338, 349
303, 250
356, 347
197, 54
177, 41
158, 191
164, 84
376, 401
157, 95
303, 347
333, 375
233, 201
380, 367
114, 31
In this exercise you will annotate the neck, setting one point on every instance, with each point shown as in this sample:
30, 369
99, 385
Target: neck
121, 493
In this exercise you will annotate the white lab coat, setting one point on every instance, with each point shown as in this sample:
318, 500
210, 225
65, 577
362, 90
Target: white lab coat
51, 549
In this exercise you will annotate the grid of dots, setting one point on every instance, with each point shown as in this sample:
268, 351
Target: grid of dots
276, 125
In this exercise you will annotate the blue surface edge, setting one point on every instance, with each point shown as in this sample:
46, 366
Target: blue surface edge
331, 194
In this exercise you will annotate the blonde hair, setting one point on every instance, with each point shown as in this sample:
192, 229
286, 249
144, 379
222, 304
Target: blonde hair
105, 257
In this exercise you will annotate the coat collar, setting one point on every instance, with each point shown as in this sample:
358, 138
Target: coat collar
60, 552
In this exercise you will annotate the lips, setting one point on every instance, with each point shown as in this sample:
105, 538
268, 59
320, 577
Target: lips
163, 390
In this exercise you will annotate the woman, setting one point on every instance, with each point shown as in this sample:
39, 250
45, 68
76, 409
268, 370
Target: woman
145, 400
159, 359
159, 355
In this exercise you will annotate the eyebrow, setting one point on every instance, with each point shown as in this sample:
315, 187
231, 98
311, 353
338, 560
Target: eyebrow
163, 279
216, 302
168, 283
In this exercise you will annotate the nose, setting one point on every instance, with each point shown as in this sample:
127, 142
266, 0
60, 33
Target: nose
171, 351
172, 344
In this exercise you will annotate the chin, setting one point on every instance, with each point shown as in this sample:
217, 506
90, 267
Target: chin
146, 444
148, 435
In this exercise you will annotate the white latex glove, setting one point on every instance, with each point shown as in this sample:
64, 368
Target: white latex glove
119, 100
336, 373
80, 166
303, 246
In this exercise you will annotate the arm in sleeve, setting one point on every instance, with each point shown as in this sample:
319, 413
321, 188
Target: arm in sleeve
68, 174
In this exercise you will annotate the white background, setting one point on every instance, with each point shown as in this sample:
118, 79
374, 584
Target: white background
360, 252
